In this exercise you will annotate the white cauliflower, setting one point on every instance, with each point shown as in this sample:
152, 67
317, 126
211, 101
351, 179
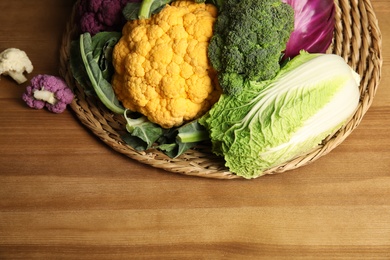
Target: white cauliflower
14, 62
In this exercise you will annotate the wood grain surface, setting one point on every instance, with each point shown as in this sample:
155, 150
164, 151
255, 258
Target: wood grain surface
66, 195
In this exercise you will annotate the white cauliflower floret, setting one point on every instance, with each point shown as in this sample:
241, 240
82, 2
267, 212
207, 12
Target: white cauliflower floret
14, 62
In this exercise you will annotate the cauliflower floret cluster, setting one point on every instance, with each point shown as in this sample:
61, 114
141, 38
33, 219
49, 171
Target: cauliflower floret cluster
15, 62
48, 91
101, 15
161, 64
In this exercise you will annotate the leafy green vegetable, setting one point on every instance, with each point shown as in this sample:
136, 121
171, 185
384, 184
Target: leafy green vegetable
131, 10
192, 132
78, 69
143, 9
102, 46
276, 120
143, 135
95, 53
91, 65
178, 140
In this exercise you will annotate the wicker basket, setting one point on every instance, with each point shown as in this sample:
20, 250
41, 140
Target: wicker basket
357, 39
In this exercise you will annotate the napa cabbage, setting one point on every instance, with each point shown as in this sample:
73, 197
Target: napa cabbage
273, 121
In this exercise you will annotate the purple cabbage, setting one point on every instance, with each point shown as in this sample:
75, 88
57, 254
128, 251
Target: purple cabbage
314, 25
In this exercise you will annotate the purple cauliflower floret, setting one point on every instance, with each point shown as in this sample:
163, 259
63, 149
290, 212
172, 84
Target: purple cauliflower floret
48, 91
101, 15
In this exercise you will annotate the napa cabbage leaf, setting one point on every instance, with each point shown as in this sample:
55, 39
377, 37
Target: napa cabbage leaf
273, 121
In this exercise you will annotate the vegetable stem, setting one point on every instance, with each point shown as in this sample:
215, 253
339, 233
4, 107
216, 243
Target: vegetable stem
17, 76
193, 137
144, 11
45, 95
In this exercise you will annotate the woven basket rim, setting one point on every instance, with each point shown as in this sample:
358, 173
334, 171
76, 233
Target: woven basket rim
357, 39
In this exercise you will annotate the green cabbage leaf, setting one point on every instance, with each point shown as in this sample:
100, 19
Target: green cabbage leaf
273, 121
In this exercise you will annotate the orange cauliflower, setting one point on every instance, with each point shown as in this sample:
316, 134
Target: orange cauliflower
161, 64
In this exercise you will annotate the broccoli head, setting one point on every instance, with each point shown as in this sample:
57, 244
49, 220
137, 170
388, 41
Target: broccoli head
249, 38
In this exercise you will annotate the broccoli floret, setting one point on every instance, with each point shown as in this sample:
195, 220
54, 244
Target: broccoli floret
233, 82
249, 37
234, 60
215, 50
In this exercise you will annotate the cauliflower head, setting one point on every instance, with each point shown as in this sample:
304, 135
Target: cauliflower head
161, 64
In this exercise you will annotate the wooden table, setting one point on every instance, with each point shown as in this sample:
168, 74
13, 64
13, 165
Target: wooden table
66, 195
